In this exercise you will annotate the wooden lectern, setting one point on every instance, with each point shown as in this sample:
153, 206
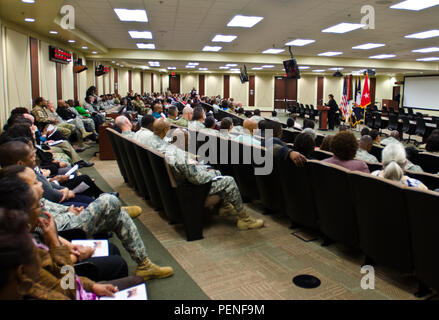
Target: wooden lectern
323, 117
105, 148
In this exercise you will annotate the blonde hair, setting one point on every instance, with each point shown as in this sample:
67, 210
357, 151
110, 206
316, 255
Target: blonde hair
394, 161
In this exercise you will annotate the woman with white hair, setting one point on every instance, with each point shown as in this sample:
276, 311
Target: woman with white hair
394, 162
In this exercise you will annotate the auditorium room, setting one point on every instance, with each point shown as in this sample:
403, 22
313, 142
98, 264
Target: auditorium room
225, 150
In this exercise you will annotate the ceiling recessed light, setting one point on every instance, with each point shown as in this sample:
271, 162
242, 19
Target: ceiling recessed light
154, 63
427, 50
368, 46
336, 69
235, 70
203, 69
224, 68
304, 67
415, 5
257, 68
113, 61
267, 66
190, 66
53, 32
84, 48
428, 59
213, 49
28, 1
140, 34
172, 68
29, 20
244, 21
299, 42
193, 64
72, 41
424, 35
383, 56
231, 65
131, 15
150, 46
319, 70
273, 51
343, 28
94, 52
223, 38
330, 54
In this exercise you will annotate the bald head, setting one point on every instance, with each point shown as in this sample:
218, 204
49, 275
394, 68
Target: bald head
395, 134
161, 127
366, 143
250, 125
123, 123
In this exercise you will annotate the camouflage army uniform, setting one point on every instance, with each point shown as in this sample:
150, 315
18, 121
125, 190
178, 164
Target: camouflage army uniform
212, 132
128, 134
66, 148
102, 215
187, 169
44, 117
365, 156
140, 106
182, 122
196, 125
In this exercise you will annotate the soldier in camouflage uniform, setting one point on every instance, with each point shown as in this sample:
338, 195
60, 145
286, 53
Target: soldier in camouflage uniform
364, 149
197, 119
186, 117
105, 214
89, 124
139, 105
186, 168
125, 126
43, 116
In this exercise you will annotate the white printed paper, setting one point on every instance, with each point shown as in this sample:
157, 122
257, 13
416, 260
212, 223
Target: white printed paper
134, 293
80, 188
101, 246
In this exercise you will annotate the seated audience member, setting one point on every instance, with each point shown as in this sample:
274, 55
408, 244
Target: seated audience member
326, 143
125, 126
187, 169
304, 144
67, 114
248, 114
342, 128
393, 138
363, 152
53, 252
375, 135
274, 116
172, 114
111, 267
250, 126
394, 162
311, 132
297, 125
210, 124
19, 264
44, 117
16, 152
158, 110
344, 145
105, 214
237, 127
290, 123
411, 153
308, 123
145, 131
257, 116
225, 127
186, 117
198, 118
365, 131
432, 145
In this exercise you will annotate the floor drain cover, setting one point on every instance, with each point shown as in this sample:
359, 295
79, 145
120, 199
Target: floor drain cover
306, 281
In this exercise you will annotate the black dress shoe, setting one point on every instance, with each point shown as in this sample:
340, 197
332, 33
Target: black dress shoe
79, 150
84, 164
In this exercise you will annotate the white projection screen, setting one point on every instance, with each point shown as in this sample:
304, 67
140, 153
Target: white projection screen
421, 92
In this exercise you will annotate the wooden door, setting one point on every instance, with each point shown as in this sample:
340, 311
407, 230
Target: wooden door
279, 92
174, 83
251, 94
320, 87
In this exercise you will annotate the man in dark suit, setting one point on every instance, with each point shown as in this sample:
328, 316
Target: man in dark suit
332, 114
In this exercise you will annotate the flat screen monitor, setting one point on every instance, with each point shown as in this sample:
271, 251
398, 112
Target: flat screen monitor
292, 69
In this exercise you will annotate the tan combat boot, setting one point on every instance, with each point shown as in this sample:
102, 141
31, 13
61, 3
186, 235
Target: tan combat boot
246, 223
86, 134
133, 211
148, 270
227, 209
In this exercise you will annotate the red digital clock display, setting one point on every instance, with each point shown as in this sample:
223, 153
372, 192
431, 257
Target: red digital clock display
59, 55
